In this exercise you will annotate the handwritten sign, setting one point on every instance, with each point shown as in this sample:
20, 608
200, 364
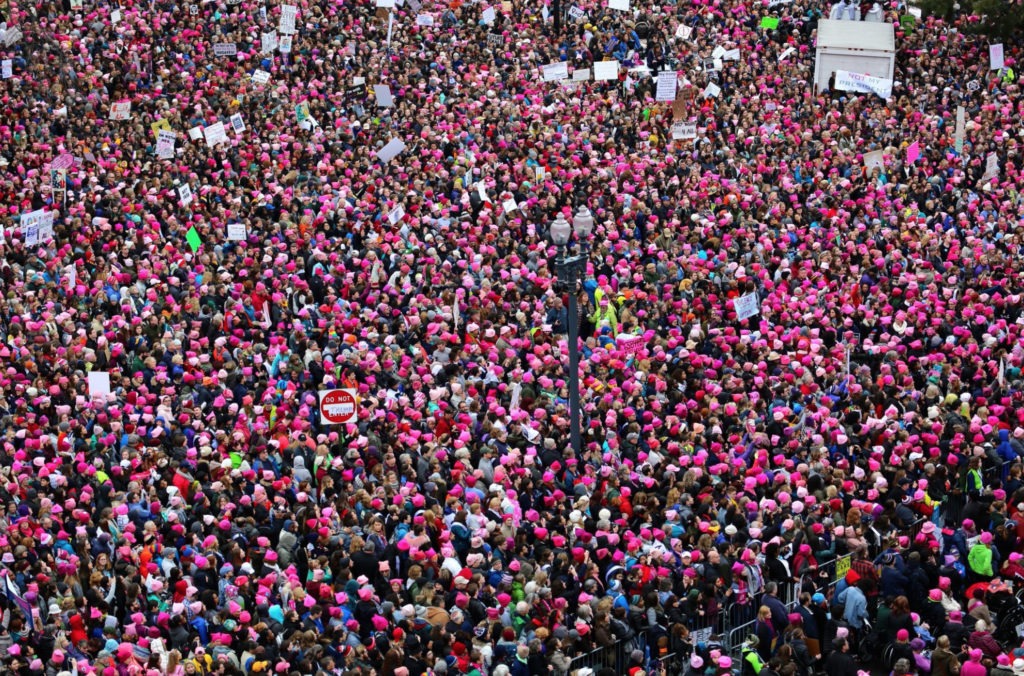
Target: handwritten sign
553, 72
666, 86
746, 306
225, 49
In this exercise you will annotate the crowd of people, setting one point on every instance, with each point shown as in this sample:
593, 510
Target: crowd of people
253, 203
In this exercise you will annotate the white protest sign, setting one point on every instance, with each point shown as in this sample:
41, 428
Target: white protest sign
786, 54
581, 75
683, 32
396, 214
46, 227
30, 227
991, 167
961, 128
165, 144
718, 52
237, 124
284, 44
415, 5
12, 36
682, 131
268, 42
606, 70
185, 194
122, 110
746, 306
553, 72
874, 159
225, 49
995, 56
383, 95
666, 86
488, 16
731, 55
236, 232
388, 152
115, 17
386, 4
195, 133
215, 133
712, 90
858, 82
8, 68
424, 20
286, 25
576, 13
509, 205
261, 77
621, 5
99, 384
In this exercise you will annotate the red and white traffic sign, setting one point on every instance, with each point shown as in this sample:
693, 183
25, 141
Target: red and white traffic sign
338, 407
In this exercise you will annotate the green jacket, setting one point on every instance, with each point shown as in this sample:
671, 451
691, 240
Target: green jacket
753, 659
980, 559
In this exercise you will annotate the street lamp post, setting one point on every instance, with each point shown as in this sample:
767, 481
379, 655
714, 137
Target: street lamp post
570, 271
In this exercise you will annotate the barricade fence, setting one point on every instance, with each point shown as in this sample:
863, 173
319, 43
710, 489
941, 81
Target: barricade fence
722, 630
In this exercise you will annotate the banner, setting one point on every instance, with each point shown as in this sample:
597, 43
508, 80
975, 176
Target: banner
857, 82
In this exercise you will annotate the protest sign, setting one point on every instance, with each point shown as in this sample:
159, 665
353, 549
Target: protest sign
712, 91
770, 22
237, 124
261, 77
581, 75
874, 159
858, 82
576, 13
63, 161
427, 20
554, 72
621, 5
99, 384
185, 194
225, 49
122, 110
268, 42
396, 214
996, 60
606, 70
666, 90
913, 152
193, 239
286, 25
389, 151
284, 44
165, 144
683, 32
488, 16
383, 96
236, 232
961, 126
7, 66
746, 306
682, 131
215, 133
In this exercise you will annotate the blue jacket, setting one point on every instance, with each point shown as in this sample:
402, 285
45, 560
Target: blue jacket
856, 610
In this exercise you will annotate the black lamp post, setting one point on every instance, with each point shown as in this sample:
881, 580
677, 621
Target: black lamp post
570, 271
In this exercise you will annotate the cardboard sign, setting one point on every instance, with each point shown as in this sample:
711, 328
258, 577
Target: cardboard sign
679, 107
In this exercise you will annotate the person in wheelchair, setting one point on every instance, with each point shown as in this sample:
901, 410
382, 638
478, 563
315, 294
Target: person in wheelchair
956, 633
900, 649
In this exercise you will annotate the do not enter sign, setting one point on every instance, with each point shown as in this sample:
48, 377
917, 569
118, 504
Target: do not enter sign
338, 407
